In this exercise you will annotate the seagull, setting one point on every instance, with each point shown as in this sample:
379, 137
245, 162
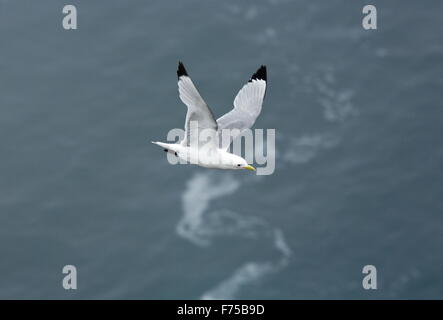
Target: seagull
212, 151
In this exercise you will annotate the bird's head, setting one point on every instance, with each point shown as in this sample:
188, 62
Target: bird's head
240, 163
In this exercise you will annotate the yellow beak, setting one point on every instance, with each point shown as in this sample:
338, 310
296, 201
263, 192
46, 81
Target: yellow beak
248, 167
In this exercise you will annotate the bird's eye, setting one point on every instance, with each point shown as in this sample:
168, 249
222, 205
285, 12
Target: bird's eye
238, 165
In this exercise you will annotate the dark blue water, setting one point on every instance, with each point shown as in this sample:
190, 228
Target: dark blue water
358, 178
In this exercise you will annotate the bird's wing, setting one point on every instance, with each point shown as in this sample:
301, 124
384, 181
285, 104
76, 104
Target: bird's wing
247, 107
199, 117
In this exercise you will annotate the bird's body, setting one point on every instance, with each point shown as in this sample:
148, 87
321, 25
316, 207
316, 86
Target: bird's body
214, 158
203, 144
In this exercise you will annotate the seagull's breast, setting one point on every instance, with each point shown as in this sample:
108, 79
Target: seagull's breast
209, 158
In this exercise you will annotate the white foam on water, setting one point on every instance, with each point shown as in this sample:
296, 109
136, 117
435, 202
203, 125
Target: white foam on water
201, 189
200, 226
228, 288
250, 272
281, 244
337, 103
335, 100
303, 149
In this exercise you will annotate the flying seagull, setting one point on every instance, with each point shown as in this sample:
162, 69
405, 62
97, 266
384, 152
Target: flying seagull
212, 151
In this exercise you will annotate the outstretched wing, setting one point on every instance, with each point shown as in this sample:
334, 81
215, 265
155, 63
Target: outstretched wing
199, 116
247, 107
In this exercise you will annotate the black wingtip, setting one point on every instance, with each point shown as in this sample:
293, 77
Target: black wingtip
260, 74
181, 71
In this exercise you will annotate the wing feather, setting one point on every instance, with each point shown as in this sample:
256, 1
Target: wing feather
247, 107
198, 111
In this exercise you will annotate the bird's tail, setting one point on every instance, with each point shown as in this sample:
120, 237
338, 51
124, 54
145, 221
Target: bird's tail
165, 146
161, 144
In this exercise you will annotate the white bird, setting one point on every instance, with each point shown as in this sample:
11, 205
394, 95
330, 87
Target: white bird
211, 152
